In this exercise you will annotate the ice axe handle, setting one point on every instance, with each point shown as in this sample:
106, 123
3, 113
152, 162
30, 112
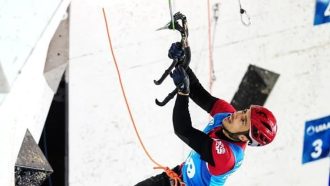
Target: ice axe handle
166, 73
168, 98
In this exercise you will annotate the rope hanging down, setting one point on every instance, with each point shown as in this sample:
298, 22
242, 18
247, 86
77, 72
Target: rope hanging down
215, 17
211, 39
167, 170
246, 21
211, 69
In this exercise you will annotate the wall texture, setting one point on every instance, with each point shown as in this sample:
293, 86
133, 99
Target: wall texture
26, 29
103, 147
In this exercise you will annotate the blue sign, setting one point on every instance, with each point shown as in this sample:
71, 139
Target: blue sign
316, 139
322, 12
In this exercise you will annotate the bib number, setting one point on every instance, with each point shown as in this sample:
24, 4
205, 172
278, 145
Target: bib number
190, 168
317, 144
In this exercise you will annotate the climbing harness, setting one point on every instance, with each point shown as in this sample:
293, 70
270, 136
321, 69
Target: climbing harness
174, 177
183, 29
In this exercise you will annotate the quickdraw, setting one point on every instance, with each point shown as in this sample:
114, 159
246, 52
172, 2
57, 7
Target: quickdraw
183, 29
245, 18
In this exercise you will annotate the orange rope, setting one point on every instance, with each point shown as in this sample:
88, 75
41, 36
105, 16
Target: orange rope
210, 47
174, 176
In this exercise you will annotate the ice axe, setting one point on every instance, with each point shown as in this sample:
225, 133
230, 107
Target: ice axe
183, 29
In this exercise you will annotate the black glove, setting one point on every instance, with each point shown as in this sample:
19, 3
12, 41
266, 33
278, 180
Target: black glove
176, 52
181, 80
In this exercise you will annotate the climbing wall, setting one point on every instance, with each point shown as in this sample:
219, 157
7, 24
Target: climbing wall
26, 72
283, 39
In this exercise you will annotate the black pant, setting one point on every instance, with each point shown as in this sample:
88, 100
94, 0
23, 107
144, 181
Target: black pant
160, 179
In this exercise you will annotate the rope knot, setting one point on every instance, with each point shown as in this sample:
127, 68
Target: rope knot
174, 177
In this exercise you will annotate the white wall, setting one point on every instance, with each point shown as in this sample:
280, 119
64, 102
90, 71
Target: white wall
103, 147
26, 29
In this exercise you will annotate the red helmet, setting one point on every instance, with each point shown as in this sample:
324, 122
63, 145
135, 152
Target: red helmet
263, 126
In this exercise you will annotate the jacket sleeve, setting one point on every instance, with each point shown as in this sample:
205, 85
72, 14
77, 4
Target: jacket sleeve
196, 139
204, 99
198, 94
